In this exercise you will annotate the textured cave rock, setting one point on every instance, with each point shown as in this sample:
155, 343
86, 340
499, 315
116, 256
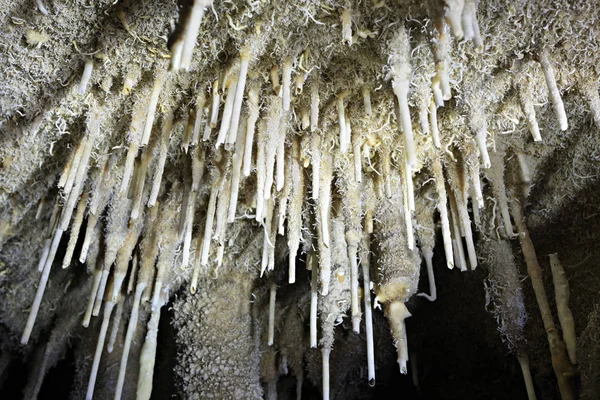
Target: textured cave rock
212, 313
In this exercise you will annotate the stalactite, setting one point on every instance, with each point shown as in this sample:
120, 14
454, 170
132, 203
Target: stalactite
426, 236
335, 302
478, 124
314, 105
553, 92
272, 295
183, 49
273, 142
134, 139
458, 203
526, 102
253, 111
231, 87
442, 206
457, 243
138, 187
365, 266
210, 215
161, 77
99, 347
115, 327
400, 75
188, 131
284, 196
311, 261
453, 10
496, 176
214, 111
93, 128
563, 368
260, 171
323, 222
294, 218
199, 117
399, 271
366, 93
221, 217
85, 78
239, 95
238, 158
440, 83
75, 227
524, 364
148, 355
116, 233
352, 210
344, 136
311, 185
565, 317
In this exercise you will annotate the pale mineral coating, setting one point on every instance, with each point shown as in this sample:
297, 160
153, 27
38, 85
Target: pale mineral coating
333, 306
217, 358
398, 267
42, 117
424, 217
504, 295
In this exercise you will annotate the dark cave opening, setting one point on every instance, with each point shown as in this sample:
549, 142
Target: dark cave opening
11, 387
163, 381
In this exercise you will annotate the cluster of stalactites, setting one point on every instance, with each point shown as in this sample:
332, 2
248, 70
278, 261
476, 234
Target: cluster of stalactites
294, 172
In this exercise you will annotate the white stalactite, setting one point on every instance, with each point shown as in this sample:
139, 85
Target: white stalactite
85, 77
311, 261
344, 137
99, 347
199, 117
148, 357
162, 158
156, 89
553, 92
131, 328
366, 93
526, 102
239, 97
432, 296
272, 295
191, 33
442, 206
324, 204
314, 106
75, 228
87, 316
238, 158
365, 265
231, 86
294, 218
253, 111
453, 10
396, 312
435, 133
